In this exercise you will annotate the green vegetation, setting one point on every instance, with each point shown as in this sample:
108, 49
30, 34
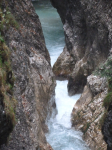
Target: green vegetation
7, 20
108, 100
6, 75
86, 127
105, 70
7, 83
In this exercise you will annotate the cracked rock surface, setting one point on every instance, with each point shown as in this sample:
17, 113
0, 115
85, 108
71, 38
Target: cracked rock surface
88, 32
34, 80
87, 26
88, 111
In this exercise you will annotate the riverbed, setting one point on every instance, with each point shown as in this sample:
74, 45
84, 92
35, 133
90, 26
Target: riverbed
61, 135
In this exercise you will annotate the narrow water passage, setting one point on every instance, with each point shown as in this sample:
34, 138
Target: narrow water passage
52, 28
61, 136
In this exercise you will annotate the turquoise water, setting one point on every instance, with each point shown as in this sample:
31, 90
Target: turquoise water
52, 28
61, 135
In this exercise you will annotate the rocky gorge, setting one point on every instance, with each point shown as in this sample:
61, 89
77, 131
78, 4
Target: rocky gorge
87, 27
27, 82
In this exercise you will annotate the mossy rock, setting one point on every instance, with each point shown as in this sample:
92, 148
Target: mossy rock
7, 100
108, 100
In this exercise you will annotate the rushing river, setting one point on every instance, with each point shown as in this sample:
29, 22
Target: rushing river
61, 136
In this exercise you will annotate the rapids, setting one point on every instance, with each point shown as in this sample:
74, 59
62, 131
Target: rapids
61, 135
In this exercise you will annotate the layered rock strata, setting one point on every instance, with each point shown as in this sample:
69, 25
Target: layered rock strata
87, 114
34, 80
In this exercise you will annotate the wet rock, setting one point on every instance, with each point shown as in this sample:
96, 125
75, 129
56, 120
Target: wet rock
34, 80
88, 111
88, 36
64, 65
88, 32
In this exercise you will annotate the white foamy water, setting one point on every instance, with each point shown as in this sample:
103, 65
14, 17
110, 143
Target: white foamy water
64, 104
61, 135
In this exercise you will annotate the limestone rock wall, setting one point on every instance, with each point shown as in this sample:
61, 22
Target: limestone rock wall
87, 28
34, 80
87, 114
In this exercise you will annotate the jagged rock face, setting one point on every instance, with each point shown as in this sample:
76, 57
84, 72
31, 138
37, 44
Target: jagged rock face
35, 82
88, 32
88, 111
88, 37
60, 68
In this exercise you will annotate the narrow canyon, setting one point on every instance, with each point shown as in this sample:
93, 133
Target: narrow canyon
55, 75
